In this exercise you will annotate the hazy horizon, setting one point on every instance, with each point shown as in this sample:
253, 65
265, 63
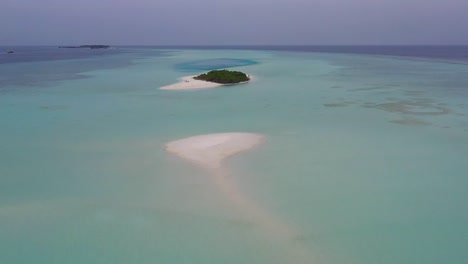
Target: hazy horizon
259, 22
235, 45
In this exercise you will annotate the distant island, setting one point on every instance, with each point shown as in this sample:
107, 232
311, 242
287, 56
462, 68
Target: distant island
86, 47
223, 77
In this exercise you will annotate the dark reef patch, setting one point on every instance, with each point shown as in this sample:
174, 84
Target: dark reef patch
414, 93
410, 122
52, 107
416, 107
339, 104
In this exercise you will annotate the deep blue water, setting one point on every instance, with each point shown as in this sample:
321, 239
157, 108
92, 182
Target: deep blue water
213, 64
457, 53
34, 53
24, 67
74, 63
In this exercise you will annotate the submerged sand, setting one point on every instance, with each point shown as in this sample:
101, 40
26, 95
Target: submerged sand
211, 150
189, 83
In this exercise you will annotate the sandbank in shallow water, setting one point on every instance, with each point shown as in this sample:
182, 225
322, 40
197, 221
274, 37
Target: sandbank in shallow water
210, 150
189, 83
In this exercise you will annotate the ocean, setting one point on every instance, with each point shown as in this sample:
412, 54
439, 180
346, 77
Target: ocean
365, 156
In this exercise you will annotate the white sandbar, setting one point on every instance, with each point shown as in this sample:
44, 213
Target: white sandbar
210, 150
189, 83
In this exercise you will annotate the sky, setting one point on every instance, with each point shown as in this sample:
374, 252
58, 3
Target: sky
233, 22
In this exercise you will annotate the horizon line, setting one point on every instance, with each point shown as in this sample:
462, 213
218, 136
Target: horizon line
241, 45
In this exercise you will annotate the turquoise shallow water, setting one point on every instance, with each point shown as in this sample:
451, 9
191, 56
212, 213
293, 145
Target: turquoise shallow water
365, 159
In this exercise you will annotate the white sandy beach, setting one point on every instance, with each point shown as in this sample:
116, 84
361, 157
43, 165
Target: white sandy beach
210, 150
189, 83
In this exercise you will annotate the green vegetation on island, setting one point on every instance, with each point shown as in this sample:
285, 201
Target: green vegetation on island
224, 77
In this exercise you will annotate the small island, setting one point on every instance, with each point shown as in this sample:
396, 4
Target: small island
223, 77
212, 79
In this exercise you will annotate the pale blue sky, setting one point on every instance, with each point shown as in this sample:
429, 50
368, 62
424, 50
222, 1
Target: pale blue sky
229, 22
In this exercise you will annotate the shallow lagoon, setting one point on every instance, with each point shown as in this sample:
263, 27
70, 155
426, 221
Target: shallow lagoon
365, 159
